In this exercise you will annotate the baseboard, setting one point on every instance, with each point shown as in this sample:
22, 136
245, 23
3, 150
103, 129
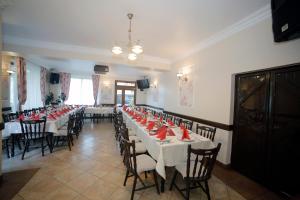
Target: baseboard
227, 166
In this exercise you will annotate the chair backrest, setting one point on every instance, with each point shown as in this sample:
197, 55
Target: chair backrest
124, 132
201, 168
129, 155
33, 129
10, 116
187, 124
207, 132
177, 121
71, 124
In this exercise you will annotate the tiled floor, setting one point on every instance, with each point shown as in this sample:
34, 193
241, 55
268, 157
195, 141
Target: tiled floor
92, 170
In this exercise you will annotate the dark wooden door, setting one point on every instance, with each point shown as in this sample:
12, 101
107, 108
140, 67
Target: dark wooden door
284, 135
250, 124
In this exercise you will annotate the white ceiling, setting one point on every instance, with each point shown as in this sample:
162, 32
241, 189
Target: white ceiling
167, 28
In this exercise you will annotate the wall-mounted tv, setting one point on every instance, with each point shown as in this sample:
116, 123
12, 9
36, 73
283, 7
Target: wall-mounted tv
143, 84
286, 19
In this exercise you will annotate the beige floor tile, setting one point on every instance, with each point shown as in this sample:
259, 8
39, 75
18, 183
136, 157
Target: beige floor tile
68, 174
82, 182
100, 190
63, 193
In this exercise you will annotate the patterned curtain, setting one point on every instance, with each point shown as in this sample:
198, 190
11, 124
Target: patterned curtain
65, 80
22, 81
95, 79
43, 81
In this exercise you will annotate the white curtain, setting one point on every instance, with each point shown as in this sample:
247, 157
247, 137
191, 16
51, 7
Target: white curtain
33, 87
81, 92
13, 92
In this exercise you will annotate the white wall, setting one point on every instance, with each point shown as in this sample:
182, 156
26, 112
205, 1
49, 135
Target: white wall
212, 70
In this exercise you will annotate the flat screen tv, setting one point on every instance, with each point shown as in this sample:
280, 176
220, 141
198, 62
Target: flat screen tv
143, 84
286, 19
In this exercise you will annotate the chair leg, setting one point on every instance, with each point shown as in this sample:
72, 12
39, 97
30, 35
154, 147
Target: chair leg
126, 177
133, 187
187, 182
25, 148
207, 190
173, 179
69, 142
48, 143
7, 148
155, 180
42, 146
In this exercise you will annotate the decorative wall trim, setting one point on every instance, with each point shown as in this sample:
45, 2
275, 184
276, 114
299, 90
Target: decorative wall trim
194, 119
254, 18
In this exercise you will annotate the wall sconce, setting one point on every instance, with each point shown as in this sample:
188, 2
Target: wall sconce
182, 76
155, 84
10, 71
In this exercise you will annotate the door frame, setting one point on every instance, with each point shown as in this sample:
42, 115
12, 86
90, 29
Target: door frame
123, 88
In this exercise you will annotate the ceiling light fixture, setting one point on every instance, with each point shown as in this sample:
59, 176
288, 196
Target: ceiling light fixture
134, 48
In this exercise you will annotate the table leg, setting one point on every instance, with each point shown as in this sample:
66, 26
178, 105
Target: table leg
12, 145
162, 185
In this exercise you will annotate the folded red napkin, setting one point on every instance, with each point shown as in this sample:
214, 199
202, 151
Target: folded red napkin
155, 116
21, 117
185, 134
52, 116
151, 125
170, 122
144, 121
171, 132
162, 133
35, 118
182, 126
138, 118
161, 118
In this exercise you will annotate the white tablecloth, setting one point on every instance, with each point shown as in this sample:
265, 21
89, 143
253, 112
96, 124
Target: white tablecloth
51, 125
98, 110
167, 154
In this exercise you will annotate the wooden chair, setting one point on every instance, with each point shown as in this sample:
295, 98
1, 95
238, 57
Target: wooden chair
33, 131
136, 165
187, 124
66, 134
207, 132
196, 171
177, 121
140, 148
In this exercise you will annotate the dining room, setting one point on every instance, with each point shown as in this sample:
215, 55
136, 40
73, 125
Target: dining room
135, 99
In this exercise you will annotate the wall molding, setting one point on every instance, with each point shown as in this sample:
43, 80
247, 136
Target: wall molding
247, 22
194, 119
72, 48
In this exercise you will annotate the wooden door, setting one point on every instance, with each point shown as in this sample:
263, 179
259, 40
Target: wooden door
250, 124
284, 135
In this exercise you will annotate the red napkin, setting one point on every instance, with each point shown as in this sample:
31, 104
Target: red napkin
21, 117
162, 133
138, 118
155, 116
161, 118
151, 125
182, 126
36, 117
170, 122
52, 116
185, 134
144, 121
171, 132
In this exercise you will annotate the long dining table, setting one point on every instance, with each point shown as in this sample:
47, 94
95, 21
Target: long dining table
52, 126
170, 153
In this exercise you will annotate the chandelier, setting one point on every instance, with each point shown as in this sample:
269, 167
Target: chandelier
134, 48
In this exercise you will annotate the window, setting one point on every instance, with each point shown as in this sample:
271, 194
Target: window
81, 92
